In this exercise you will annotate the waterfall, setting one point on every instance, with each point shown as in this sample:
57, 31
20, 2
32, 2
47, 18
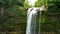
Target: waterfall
31, 20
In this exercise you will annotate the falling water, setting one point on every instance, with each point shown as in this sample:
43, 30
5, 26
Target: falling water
31, 20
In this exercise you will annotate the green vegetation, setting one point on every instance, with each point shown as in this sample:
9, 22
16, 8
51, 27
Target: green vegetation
13, 15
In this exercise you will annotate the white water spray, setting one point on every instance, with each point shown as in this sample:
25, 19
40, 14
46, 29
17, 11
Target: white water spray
31, 20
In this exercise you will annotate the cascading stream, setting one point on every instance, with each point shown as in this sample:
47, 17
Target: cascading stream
31, 20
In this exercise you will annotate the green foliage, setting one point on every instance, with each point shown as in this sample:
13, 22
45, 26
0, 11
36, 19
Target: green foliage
14, 17
11, 2
40, 3
52, 19
53, 7
26, 5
